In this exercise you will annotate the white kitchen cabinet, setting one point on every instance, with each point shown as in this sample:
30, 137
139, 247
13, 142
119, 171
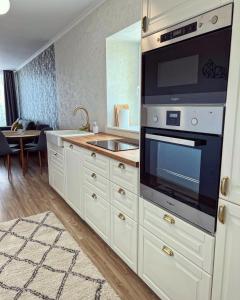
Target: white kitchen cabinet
168, 273
73, 170
191, 242
124, 175
56, 179
56, 168
97, 213
227, 254
124, 237
161, 14
230, 169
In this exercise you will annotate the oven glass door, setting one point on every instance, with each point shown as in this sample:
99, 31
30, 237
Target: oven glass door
184, 166
190, 71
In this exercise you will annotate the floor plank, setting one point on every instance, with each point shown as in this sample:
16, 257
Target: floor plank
29, 195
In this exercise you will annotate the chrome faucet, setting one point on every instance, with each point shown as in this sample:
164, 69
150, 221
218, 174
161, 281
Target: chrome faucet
86, 126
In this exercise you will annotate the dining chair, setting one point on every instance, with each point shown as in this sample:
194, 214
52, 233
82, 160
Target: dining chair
6, 151
40, 147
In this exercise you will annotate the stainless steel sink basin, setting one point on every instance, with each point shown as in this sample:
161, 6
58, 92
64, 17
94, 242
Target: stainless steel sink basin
55, 137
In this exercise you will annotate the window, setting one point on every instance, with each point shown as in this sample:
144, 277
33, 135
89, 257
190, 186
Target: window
2, 102
123, 59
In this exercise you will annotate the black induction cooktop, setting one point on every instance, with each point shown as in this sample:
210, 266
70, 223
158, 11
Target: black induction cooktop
115, 145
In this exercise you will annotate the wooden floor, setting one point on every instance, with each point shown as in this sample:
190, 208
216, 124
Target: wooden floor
29, 195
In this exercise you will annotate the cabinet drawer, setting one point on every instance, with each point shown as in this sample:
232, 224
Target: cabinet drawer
55, 148
97, 214
124, 175
188, 240
94, 181
124, 200
124, 237
169, 273
56, 159
97, 163
74, 147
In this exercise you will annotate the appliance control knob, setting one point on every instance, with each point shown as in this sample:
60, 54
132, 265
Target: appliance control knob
194, 121
155, 119
214, 19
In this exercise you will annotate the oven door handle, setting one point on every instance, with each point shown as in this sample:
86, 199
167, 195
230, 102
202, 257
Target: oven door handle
173, 140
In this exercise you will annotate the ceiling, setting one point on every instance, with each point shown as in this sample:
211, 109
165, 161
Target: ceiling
30, 24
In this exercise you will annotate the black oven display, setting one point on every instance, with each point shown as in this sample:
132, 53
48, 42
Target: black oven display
191, 71
173, 118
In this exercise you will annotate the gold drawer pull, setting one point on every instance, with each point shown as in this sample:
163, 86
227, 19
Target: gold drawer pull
121, 192
221, 213
167, 250
94, 176
121, 166
224, 186
169, 219
122, 217
93, 154
71, 146
94, 196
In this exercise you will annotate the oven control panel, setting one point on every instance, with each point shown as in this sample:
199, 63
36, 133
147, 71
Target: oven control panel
202, 119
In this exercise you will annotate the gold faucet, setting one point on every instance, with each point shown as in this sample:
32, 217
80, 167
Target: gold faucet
85, 127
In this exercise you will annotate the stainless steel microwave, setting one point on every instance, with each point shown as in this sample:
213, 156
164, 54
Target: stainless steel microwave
188, 63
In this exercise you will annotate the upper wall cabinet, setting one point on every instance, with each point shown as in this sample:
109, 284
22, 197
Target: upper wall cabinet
159, 14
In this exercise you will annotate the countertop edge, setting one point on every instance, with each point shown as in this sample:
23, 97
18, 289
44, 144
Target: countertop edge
101, 151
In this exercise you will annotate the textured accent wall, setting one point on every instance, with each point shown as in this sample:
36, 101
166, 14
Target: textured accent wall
37, 89
81, 61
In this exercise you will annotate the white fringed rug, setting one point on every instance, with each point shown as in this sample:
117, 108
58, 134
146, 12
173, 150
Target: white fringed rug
40, 260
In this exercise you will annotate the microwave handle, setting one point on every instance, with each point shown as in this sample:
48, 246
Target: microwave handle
173, 140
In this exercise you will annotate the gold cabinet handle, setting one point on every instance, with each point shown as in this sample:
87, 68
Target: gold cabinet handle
93, 154
94, 176
169, 219
167, 251
121, 166
144, 24
94, 196
121, 192
224, 186
221, 213
122, 217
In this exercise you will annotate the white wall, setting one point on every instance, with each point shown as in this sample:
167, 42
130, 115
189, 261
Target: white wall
81, 61
123, 79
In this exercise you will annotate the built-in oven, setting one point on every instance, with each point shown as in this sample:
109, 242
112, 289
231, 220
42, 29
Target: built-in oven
189, 62
181, 159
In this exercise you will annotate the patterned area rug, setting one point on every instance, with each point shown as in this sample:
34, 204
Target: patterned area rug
40, 260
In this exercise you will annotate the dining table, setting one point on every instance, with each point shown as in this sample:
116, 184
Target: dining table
21, 136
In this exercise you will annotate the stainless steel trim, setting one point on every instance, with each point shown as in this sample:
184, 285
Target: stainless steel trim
205, 23
182, 210
207, 119
171, 140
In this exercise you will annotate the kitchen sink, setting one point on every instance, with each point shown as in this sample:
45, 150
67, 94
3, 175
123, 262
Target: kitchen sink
56, 136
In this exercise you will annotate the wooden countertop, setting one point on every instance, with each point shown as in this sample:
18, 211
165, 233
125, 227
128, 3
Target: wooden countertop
130, 157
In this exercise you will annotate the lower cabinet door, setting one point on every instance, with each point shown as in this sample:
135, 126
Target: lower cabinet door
168, 273
56, 180
124, 237
227, 253
74, 179
97, 214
